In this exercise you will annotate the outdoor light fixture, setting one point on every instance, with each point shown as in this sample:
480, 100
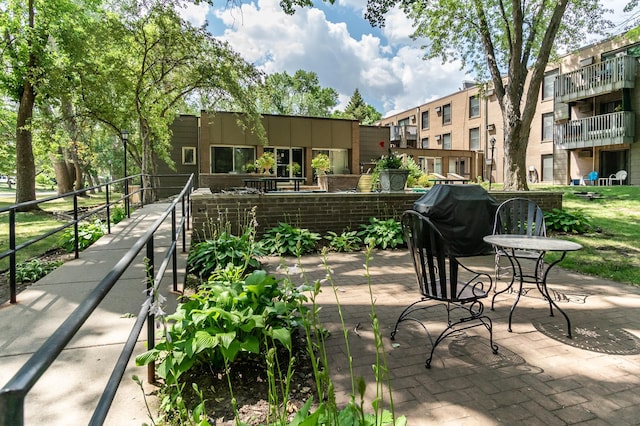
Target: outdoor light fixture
125, 137
492, 142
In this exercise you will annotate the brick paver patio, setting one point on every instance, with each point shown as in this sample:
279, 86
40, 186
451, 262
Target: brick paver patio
538, 376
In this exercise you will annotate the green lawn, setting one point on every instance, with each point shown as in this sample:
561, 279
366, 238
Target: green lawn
612, 250
32, 224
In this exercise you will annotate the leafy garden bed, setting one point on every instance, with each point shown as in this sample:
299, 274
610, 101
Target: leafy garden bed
247, 348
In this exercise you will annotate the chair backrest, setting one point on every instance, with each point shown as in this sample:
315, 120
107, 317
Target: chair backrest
593, 176
621, 175
436, 269
519, 216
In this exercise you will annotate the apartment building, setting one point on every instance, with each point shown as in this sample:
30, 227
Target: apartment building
585, 121
450, 134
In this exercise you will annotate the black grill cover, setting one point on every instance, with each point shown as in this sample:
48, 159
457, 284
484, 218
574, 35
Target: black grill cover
463, 214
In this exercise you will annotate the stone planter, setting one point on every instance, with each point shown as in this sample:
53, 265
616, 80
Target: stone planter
338, 182
393, 180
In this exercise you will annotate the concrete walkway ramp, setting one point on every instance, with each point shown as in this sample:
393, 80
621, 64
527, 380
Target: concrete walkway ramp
68, 392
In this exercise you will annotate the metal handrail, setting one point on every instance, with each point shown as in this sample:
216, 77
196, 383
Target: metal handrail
13, 394
11, 210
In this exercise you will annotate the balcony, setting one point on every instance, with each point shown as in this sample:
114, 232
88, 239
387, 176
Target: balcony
597, 79
404, 136
607, 129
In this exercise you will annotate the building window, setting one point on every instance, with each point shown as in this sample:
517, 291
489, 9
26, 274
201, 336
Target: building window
547, 126
548, 84
446, 141
188, 155
430, 164
425, 119
446, 114
424, 143
474, 106
474, 139
458, 165
403, 122
338, 158
289, 161
225, 159
547, 168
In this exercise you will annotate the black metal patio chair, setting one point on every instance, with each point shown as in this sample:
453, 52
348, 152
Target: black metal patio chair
518, 216
440, 280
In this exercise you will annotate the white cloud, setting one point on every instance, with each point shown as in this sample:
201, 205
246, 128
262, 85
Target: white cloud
197, 15
385, 65
390, 81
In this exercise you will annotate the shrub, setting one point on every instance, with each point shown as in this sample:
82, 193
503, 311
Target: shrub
382, 233
560, 220
118, 213
348, 241
34, 269
424, 181
88, 234
285, 239
223, 320
227, 249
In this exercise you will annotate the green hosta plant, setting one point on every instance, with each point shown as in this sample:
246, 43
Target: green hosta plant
216, 253
34, 269
348, 241
575, 222
285, 239
223, 320
88, 234
118, 214
382, 233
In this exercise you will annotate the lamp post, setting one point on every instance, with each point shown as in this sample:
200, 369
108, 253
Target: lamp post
492, 142
125, 137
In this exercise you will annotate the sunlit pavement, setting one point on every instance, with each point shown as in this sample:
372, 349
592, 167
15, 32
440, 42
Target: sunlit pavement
538, 377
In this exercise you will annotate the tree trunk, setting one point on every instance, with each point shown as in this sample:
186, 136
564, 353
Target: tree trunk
147, 167
64, 182
515, 149
25, 163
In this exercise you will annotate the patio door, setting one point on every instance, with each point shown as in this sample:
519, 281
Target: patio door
613, 161
286, 161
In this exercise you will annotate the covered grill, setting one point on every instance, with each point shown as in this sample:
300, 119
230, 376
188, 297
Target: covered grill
464, 214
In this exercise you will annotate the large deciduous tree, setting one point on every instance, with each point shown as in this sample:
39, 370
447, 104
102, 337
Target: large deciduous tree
298, 94
147, 64
34, 36
508, 41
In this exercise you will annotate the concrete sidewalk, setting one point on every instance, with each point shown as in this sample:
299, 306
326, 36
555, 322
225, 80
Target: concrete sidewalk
538, 377
68, 392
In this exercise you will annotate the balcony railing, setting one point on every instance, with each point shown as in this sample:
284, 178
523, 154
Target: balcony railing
604, 77
607, 129
404, 136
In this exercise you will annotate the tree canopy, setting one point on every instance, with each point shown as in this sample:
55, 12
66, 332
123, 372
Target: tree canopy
509, 42
359, 110
80, 71
298, 94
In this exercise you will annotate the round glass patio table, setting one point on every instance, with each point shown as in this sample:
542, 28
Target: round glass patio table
510, 244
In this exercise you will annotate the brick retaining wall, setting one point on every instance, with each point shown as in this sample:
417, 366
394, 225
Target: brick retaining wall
318, 212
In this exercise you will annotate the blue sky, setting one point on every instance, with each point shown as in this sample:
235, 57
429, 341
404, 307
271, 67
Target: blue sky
339, 45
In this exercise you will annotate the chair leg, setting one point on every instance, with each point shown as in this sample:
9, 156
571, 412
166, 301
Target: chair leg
509, 286
474, 320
